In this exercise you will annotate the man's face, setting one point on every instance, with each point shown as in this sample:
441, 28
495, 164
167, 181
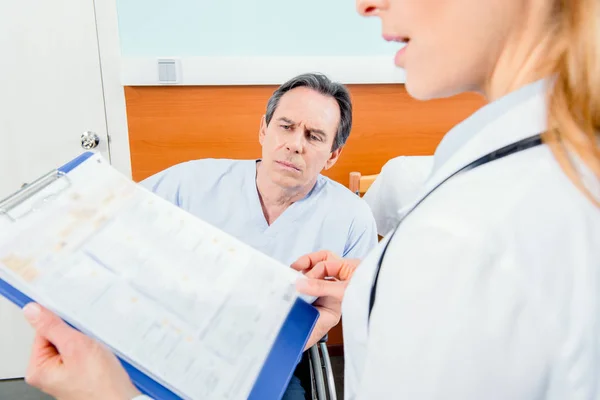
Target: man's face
297, 143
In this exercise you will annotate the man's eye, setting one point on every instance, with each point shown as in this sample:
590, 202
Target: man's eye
315, 137
286, 127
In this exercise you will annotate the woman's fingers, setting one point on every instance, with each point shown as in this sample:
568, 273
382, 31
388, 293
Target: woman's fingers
341, 269
42, 352
66, 364
49, 327
321, 288
308, 261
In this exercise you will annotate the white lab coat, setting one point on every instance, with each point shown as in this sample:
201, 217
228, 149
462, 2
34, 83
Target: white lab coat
401, 179
490, 289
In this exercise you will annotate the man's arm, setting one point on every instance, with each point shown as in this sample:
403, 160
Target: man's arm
379, 201
362, 237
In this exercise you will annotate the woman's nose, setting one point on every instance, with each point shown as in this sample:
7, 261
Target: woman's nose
369, 8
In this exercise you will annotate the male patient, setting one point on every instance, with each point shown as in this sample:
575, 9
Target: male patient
281, 204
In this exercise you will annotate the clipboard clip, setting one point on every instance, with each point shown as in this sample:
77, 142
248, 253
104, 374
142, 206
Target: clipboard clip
29, 191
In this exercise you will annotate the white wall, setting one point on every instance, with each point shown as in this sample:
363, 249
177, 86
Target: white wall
253, 41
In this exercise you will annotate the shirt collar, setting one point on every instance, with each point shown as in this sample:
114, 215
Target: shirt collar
513, 117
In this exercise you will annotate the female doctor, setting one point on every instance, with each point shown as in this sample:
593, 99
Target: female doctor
490, 286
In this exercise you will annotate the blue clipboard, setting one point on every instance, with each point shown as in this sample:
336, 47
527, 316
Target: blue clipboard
277, 369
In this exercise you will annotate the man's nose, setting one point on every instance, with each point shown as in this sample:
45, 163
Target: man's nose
295, 142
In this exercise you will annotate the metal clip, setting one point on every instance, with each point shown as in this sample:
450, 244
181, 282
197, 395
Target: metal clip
31, 189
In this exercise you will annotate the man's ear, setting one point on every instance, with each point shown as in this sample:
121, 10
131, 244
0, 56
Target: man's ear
333, 157
263, 129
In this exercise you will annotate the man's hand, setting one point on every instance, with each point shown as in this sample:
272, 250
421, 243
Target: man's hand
68, 365
328, 275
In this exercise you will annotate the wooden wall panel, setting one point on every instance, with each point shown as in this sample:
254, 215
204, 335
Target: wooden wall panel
168, 125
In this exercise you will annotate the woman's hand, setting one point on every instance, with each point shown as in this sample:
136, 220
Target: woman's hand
68, 365
328, 275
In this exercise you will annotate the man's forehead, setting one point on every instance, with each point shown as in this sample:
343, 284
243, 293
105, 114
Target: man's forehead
304, 105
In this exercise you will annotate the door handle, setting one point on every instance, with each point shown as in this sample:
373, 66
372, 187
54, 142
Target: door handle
89, 140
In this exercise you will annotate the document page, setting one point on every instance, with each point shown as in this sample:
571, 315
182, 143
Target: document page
184, 302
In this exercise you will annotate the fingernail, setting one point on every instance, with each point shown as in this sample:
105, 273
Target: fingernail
32, 312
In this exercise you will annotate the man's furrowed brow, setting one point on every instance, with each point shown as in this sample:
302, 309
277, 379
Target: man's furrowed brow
286, 120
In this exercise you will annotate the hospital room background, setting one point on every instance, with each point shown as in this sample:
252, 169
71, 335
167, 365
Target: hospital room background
152, 83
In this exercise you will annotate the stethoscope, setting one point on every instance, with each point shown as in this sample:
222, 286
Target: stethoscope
505, 151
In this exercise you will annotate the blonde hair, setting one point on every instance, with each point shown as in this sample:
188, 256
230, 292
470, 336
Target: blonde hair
574, 97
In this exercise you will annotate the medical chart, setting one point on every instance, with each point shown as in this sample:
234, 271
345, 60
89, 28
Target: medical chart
179, 299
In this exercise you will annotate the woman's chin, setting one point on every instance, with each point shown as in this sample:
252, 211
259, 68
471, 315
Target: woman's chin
423, 89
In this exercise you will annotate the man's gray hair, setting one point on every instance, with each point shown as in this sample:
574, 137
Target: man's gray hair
321, 84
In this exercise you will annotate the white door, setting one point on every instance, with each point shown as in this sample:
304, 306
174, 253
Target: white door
50, 93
